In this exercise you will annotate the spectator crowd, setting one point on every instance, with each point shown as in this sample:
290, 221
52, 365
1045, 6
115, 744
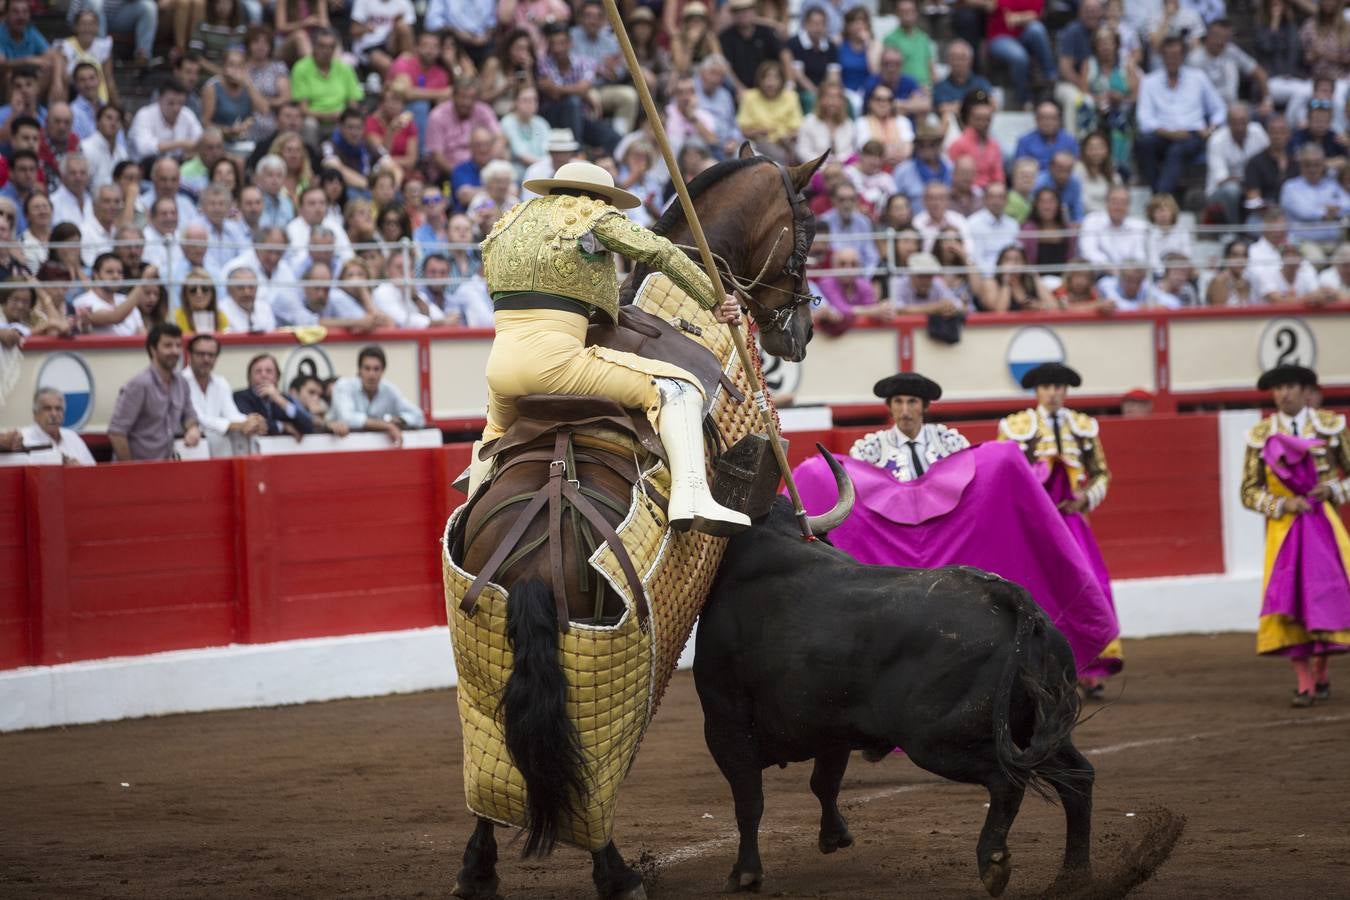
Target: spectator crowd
301, 163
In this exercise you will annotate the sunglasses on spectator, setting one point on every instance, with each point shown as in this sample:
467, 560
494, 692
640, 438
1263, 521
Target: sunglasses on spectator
198, 288
432, 199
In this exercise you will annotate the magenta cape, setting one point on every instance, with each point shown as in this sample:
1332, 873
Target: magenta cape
981, 507
1308, 580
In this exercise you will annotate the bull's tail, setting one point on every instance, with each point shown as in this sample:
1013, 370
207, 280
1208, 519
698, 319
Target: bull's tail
1051, 685
541, 738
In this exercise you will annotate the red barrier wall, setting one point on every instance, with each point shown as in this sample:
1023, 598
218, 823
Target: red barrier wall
134, 559
15, 647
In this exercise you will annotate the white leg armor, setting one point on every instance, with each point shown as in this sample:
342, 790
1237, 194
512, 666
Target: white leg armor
680, 424
478, 469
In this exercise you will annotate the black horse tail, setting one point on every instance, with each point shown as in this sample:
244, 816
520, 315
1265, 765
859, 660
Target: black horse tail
542, 739
1049, 681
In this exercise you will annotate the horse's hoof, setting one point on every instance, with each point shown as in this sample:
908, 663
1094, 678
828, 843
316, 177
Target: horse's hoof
829, 843
996, 872
477, 890
744, 882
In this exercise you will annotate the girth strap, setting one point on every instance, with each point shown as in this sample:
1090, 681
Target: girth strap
559, 488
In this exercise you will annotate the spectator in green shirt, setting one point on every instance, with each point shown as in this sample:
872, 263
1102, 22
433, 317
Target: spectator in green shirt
916, 45
324, 86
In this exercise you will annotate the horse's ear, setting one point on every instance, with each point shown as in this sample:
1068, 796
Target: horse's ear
747, 150
801, 175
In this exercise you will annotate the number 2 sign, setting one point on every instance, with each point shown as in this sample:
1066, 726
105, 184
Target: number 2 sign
1287, 342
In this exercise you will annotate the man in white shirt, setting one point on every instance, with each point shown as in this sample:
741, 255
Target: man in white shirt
1263, 257
227, 237
225, 428
107, 311
1335, 278
276, 278
1110, 237
397, 300
937, 215
909, 447
991, 229
1225, 63
106, 147
96, 232
1128, 290
382, 31
165, 181
313, 207
49, 411
165, 127
71, 201
162, 246
1295, 281
1227, 153
1178, 110
246, 311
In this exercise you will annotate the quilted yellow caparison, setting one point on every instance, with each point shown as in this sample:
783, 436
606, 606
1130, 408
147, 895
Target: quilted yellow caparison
616, 674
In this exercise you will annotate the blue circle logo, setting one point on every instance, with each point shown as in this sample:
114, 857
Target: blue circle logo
69, 373
1030, 347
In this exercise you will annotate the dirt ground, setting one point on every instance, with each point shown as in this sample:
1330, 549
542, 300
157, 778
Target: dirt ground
362, 798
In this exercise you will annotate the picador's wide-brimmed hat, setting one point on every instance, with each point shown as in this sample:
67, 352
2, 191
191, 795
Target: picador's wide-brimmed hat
1051, 373
1287, 374
908, 384
584, 176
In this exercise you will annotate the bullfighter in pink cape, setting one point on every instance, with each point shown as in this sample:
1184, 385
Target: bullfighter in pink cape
1065, 450
1295, 474
980, 507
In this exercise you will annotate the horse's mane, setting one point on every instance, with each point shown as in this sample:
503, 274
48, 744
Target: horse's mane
674, 214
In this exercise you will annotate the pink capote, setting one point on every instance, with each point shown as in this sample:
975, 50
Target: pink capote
1308, 580
982, 507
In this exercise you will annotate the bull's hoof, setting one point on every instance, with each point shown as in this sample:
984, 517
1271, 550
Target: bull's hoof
833, 841
996, 872
632, 893
468, 889
744, 882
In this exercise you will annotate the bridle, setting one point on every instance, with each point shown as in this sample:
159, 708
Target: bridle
794, 267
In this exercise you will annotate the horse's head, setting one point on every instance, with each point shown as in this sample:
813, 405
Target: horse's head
760, 227
776, 227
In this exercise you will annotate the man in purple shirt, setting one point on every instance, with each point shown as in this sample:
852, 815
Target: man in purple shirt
567, 82
152, 406
452, 122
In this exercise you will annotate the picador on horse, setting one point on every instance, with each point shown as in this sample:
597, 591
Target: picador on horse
591, 538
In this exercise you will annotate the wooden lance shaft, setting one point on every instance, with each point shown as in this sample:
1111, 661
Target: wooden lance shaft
761, 398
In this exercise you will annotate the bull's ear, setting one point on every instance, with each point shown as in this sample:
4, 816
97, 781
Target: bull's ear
801, 175
747, 150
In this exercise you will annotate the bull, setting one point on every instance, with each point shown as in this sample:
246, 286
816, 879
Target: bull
803, 653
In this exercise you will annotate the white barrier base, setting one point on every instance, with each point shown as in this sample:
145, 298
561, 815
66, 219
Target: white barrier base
396, 662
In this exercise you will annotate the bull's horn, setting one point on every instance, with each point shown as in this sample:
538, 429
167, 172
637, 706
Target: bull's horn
825, 523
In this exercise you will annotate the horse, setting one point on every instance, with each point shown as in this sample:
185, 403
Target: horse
760, 228
804, 653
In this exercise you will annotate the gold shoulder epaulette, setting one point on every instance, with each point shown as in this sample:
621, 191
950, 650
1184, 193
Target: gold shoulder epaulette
1082, 424
1327, 422
1257, 434
1019, 426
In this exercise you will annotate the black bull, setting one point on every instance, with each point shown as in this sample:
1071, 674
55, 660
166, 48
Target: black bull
803, 653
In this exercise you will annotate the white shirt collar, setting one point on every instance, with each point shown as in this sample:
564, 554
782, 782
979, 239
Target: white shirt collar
1295, 424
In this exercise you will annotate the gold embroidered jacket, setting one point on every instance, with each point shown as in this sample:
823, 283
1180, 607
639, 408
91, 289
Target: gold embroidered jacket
1079, 447
1332, 459
557, 245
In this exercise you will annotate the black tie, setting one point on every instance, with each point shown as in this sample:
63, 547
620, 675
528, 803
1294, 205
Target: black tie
1059, 442
914, 457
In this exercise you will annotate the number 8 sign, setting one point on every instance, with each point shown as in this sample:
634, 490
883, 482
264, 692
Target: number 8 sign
1287, 342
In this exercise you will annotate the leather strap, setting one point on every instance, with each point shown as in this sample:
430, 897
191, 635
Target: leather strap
592, 515
470, 602
557, 474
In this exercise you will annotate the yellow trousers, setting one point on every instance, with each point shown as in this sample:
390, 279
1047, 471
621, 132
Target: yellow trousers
543, 351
